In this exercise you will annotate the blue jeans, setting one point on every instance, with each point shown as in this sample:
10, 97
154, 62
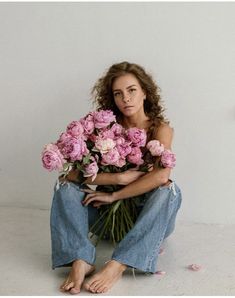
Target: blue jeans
70, 222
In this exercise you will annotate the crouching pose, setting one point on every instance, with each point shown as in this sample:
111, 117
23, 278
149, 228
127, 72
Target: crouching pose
134, 98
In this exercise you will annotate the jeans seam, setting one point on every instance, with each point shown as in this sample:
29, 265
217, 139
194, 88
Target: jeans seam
158, 244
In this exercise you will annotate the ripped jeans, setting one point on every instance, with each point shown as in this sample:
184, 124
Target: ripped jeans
70, 222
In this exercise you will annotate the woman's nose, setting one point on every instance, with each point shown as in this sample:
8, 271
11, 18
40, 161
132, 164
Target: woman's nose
126, 97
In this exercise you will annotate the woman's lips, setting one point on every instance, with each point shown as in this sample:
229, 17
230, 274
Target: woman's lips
128, 107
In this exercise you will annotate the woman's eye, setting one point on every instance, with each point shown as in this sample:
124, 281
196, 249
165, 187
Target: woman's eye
132, 90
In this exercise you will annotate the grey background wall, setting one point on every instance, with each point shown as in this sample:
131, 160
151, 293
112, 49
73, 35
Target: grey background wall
51, 55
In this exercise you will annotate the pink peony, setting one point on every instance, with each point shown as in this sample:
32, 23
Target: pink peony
52, 159
106, 134
91, 170
137, 136
75, 149
135, 156
117, 129
121, 140
88, 124
103, 118
155, 147
120, 162
160, 272
124, 149
75, 128
104, 145
111, 157
194, 267
168, 159
64, 138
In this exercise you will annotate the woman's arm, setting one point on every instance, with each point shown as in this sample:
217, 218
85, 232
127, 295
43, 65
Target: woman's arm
101, 178
157, 177
123, 178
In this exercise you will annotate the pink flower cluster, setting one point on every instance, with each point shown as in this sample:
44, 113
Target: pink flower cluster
167, 158
97, 141
93, 141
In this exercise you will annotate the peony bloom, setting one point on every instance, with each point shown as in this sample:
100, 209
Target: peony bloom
120, 162
75, 149
52, 159
64, 138
75, 128
110, 158
194, 267
91, 170
106, 134
88, 124
160, 272
155, 147
124, 149
104, 145
103, 118
137, 136
135, 156
117, 129
168, 159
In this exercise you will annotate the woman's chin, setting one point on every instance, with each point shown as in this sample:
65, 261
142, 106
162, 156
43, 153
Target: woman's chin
128, 112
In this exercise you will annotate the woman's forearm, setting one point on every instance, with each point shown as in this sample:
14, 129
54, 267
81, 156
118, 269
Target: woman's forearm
104, 179
144, 184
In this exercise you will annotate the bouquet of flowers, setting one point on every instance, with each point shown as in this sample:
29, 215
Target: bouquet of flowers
97, 143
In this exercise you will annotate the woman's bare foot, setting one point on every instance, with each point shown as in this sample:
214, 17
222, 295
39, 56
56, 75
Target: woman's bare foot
103, 280
79, 270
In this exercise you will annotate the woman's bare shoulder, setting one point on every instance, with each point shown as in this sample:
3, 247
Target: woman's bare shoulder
164, 133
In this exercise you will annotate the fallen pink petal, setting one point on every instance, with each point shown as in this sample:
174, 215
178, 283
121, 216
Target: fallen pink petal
160, 272
194, 267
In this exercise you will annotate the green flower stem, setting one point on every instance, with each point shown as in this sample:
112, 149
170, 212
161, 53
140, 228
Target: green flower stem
98, 220
105, 225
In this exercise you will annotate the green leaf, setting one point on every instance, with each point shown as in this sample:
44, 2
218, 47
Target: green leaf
86, 159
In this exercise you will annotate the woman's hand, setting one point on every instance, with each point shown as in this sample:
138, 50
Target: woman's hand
98, 197
72, 176
129, 176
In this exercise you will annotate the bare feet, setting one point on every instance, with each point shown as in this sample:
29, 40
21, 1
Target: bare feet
79, 270
103, 280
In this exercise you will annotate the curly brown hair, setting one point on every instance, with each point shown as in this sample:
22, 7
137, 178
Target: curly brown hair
103, 95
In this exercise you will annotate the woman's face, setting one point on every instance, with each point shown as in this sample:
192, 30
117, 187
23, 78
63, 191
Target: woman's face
128, 95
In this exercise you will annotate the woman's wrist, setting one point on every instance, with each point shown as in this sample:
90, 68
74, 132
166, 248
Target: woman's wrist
114, 196
119, 178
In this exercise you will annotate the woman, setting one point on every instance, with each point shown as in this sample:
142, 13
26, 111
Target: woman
134, 98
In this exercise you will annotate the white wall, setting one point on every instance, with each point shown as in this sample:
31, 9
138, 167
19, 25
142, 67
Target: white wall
51, 55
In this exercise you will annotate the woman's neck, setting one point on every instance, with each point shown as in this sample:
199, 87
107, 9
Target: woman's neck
142, 123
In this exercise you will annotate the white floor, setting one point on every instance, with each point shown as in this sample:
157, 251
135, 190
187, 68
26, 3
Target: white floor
26, 262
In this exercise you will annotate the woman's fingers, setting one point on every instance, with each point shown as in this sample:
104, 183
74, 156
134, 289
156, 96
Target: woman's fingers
88, 200
88, 190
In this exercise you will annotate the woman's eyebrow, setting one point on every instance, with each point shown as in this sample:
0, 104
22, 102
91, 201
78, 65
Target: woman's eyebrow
126, 88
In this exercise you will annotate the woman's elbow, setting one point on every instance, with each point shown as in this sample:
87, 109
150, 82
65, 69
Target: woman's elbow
162, 177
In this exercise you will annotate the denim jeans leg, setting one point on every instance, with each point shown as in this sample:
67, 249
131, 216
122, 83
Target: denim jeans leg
171, 224
69, 222
140, 247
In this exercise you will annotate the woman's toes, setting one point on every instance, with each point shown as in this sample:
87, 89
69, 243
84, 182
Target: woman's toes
96, 287
64, 284
76, 288
99, 289
87, 286
69, 286
104, 290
